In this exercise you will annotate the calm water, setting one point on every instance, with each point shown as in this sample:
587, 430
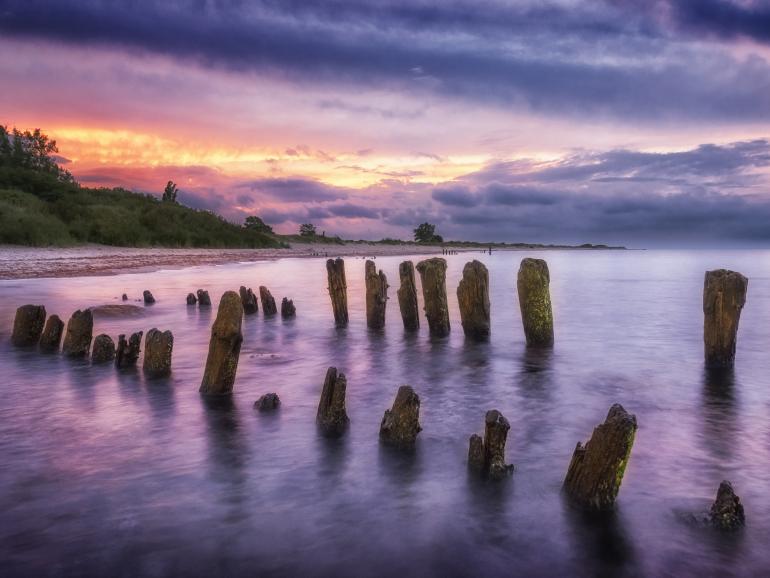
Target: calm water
112, 474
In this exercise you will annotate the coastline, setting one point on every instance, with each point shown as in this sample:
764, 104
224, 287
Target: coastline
18, 262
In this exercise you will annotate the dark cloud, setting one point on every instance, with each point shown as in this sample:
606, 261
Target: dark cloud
294, 190
353, 211
457, 196
548, 57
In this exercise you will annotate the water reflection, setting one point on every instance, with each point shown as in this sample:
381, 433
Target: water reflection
720, 414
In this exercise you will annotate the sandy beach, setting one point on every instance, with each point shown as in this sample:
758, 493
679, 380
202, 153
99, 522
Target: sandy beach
94, 260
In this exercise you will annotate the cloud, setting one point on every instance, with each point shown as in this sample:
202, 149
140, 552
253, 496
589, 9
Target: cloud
294, 190
615, 59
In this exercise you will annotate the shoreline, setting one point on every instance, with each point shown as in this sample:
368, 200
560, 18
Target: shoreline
19, 262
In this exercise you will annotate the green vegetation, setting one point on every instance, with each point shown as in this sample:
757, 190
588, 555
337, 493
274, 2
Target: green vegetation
41, 204
426, 233
254, 223
307, 230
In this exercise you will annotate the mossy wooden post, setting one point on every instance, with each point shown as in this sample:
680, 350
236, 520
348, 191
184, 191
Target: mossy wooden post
433, 277
338, 290
268, 302
103, 350
376, 296
727, 511
332, 418
128, 350
407, 297
724, 295
401, 424
224, 347
473, 298
80, 328
248, 300
52, 334
487, 455
158, 347
535, 302
596, 470
28, 325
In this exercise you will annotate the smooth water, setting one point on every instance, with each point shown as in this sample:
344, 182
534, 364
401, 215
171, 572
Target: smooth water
107, 473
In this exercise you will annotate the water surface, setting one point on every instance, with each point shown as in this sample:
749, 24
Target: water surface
110, 473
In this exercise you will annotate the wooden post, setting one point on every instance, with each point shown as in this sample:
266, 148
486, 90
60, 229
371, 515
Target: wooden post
407, 297
268, 303
535, 302
724, 295
203, 298
287, 308
487, 456
52, 334
28, 325
401, 424
376, 296
128, 351
727, 511
596, 470
473, 297
158, 346
103, 350
338, 290
433, 277
77, 340
249, 301
332, 417
224, 347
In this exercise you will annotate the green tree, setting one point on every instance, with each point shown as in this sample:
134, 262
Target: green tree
307, 230
254, 223
426, 233
170, 192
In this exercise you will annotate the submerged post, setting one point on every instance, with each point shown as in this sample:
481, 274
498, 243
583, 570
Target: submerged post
103, 350
224, 347
128, 351
596, 470
401, 424
332, 417
158, 346
727, 511
203, 298
473, 297
191, 299
376, 296
268, 303
724, 295
535, 302
28, 325
148, 298
407, 297
80, 328
52, 334
249, 301
338, 290
433, 277
487, 456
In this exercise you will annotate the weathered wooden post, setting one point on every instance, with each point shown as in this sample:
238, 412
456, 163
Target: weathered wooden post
224, 347
407, 297
433, 277
249, 301
376, 296
338, 290
596, 470
332, 418
191, 299
287, 308
401, 424
473, 297
80, 328
103, 350
128, 351
28, 325
535, 302
268, 302
724, 295
158, 347
52, 334
203, 298
727, 511
487, 456
148, 298
268, 402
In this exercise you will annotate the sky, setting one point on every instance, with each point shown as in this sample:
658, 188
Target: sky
635, 122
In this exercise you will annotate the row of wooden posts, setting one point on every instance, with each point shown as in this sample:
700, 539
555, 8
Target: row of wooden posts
724, 295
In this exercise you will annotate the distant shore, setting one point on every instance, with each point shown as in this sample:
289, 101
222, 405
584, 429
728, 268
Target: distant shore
17, 262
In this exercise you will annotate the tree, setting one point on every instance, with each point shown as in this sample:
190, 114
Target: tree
33, 151
426, 233
254, 223
170, 192
307, 230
